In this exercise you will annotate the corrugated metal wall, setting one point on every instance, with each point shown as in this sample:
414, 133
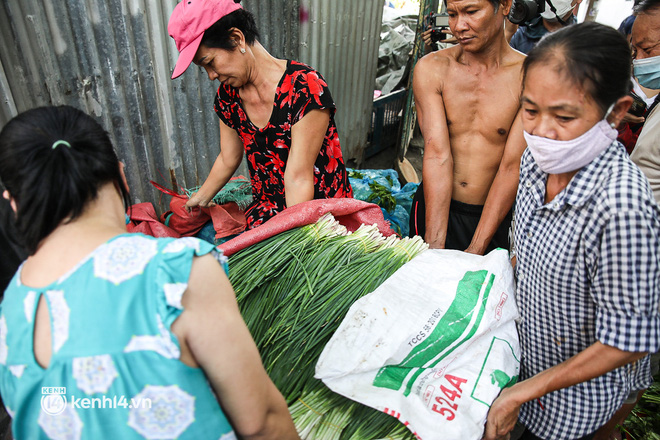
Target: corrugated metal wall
114, 58
340, 38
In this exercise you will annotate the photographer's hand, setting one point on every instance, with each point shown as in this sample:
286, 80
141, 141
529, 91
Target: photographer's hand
428, 43
632, 119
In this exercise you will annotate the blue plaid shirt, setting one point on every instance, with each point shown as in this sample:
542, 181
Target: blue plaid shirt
588, 270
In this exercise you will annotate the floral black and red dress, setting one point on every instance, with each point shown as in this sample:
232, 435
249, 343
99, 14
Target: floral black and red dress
300, 90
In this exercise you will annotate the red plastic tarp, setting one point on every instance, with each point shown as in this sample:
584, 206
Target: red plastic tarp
144, 219
228, 219
349, 212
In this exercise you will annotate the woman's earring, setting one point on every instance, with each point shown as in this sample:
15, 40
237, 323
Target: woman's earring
613, 124
242, 50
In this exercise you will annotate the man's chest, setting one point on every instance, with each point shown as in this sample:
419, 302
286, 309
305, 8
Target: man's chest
481, 102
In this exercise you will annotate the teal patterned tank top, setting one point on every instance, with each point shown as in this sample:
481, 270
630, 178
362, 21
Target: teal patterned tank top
115, 371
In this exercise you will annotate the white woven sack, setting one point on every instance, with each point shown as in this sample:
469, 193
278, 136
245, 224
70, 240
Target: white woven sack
433, 345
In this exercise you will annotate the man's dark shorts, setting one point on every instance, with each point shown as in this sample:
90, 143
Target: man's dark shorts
463, 221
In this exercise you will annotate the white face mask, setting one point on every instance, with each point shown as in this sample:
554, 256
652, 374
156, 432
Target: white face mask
562, 7
556, 157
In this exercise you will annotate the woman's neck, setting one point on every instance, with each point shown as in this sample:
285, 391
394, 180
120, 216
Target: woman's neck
102, 219
265, 72
556, 183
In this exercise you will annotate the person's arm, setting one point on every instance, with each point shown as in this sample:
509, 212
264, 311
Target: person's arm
627, 303
306, 141
216, 336
231, 154
592, 362
502, 192
438, 165
509, 30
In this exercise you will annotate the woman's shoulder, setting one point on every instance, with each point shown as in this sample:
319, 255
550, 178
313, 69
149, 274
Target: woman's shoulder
626, 188
301, 73
297, 66
226, 93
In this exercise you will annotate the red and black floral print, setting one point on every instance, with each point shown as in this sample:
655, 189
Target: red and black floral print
300, 90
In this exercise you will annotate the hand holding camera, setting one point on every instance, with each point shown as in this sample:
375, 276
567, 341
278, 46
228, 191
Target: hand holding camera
437, 28
524, 11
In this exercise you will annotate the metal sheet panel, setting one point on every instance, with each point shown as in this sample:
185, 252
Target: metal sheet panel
340, 39
113, 59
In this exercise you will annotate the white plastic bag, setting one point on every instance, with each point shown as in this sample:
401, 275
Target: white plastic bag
433, 345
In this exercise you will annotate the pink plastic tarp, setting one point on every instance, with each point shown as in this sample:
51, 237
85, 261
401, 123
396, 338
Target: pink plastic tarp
349, 212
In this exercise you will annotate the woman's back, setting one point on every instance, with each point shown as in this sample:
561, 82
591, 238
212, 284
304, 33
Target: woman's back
114, 361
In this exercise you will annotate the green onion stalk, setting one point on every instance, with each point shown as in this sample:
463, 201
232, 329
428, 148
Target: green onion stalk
643, 423
294, 289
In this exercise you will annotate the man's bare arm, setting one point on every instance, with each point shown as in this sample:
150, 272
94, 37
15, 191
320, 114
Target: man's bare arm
502, 192
438, 166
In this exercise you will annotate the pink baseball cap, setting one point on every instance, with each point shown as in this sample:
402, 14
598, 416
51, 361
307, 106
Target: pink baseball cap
189, 21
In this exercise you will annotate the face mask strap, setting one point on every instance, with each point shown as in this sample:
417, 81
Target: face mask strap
609, 112
554, 11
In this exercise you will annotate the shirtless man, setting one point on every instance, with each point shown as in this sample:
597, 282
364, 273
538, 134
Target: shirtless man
467, 100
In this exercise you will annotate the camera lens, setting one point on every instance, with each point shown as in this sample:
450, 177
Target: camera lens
523, 11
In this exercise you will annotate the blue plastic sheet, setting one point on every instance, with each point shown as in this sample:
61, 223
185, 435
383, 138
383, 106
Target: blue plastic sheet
382, 187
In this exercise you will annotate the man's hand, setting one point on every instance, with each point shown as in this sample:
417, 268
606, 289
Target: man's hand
472, 249
426, 36
502, 416
436, 245
632, 119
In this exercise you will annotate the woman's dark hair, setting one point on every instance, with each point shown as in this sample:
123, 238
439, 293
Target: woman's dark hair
51, 181
218, 34
591, 55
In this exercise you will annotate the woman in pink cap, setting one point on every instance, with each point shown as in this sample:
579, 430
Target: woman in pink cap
279, 111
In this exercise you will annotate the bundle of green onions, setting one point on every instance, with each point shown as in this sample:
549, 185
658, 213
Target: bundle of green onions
294, 289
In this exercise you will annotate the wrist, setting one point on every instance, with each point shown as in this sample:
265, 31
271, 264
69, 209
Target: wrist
520, 393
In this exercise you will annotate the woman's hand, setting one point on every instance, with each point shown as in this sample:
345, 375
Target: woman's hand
201, 199
503, 415
227, 162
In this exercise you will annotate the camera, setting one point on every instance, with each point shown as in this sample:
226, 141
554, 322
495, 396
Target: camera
437, 22
524, 11
638, 107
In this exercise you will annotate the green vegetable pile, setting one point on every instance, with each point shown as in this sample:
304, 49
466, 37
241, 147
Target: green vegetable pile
644, 421
294, 289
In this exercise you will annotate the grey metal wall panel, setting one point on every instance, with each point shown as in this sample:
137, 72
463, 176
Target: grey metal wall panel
114, 58
340, 39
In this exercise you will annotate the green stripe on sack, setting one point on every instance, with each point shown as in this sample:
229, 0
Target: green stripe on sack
449, 329
473, 330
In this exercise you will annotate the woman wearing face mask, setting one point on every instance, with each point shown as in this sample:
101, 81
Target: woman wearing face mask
279, 112
587, 242
646, 68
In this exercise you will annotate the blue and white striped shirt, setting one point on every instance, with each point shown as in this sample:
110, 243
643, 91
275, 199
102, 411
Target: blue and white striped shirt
588, 270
